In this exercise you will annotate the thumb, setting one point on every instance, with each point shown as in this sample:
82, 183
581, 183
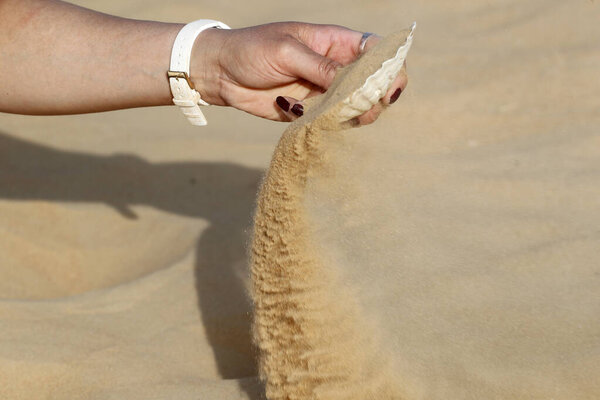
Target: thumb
313, 67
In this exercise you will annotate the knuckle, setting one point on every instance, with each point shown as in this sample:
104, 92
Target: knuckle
327, 67
285, 49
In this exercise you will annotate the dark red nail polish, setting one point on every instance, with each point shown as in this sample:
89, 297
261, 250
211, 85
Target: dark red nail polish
395, 95
298, 109
283, 103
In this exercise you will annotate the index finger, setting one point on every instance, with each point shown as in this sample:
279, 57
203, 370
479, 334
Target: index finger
333, 41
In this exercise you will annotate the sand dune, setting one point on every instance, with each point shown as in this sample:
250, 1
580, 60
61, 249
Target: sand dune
467, 217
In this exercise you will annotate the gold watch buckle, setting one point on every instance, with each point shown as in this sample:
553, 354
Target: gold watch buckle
181, 75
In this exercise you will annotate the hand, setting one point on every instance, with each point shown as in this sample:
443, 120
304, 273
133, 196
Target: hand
268, 70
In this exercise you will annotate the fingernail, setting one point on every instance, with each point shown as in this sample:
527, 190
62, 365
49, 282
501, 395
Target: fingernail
298, 109
282, 103
395, 95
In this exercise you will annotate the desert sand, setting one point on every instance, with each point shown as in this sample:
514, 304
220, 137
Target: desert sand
312, 340
466, 219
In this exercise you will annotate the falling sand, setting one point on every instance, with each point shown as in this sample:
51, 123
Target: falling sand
314, 341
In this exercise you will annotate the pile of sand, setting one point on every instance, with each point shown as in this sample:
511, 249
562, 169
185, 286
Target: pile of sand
466, 220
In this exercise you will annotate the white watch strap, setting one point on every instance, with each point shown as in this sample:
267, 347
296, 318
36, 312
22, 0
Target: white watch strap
184, 94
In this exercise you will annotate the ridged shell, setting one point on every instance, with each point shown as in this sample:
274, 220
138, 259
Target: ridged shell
376, 85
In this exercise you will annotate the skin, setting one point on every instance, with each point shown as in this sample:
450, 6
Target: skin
58, 58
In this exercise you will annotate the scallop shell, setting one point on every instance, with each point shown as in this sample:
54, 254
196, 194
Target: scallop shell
377, 84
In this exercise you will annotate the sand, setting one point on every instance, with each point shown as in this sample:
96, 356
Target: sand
313, 342
466, 218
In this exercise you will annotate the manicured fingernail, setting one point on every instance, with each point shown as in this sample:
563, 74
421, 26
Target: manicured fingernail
298, 109
282, 103
395, 95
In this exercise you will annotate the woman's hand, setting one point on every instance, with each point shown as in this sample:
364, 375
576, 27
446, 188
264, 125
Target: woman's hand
268, 70
91, 62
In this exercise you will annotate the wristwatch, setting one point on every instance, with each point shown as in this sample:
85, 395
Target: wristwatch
185, 96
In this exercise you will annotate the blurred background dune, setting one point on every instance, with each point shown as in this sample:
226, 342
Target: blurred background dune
468, 221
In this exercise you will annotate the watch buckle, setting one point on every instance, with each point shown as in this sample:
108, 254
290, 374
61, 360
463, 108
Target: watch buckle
181, 75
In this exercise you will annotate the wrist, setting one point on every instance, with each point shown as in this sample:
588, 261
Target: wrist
171, 30
205, 65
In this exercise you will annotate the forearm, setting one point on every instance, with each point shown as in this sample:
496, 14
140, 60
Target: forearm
57, 58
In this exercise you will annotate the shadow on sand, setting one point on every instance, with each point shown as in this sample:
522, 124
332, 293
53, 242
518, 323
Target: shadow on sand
222, 193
